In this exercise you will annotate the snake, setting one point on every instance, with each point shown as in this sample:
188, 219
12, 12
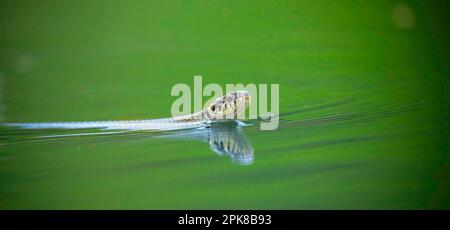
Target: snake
222, 108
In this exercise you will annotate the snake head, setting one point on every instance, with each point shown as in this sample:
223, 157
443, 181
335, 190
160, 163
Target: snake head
230, 106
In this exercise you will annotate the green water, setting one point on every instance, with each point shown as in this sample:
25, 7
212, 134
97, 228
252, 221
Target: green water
363, 103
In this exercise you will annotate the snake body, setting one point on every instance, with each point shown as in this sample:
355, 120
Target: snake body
219, 109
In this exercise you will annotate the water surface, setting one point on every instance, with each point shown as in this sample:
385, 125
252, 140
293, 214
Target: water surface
363, 102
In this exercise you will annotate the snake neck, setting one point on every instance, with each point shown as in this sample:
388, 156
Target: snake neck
200, 116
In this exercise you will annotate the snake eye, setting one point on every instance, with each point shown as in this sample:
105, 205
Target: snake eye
213, 108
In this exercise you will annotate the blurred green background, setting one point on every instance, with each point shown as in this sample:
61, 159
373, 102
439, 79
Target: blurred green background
363, 102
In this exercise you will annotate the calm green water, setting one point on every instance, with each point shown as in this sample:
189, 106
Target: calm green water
363, 103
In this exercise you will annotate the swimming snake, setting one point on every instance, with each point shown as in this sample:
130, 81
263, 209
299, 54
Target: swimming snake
219, 109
